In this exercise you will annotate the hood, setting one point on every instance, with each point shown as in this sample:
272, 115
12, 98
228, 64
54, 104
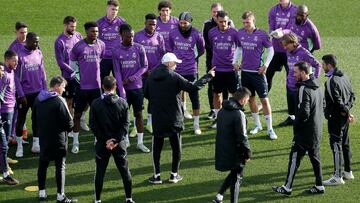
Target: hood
232, 104
161, 73
110, 99
338, 72
311, 83
45, 95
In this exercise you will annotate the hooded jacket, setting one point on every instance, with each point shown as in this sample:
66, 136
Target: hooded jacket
162, 89
339, 96
109, 118
53, 120
308, 124
232, 145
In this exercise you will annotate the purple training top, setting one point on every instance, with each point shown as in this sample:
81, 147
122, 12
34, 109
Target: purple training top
300, 54
223, 45
63, 46
186, 49
129, 63
16, 46
279, 18
88, 57
9, 99
154, 46
253, 45
30, 76
109, 33
165, 28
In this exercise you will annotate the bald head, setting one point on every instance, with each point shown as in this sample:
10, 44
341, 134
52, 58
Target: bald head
302, 14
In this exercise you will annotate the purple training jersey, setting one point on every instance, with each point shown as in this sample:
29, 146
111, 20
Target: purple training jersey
297, 55
109, 33
16, 46
9, 99
252, 46
223, 46
130, 63
154, 46
187, 49
63, 46
165, 28
88, 57
280, 18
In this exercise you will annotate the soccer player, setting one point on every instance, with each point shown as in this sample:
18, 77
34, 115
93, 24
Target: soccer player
208, 25
109, 121
307, 130
188, 45
279, 17
163, 89
130, 63
295, 53
63, 45
21, 32
232, 149
30, 79
85, 59
339, 99
166, 22
7, 91
52, 116
304, 29
223, 42
253, 41
109, 34
154, 46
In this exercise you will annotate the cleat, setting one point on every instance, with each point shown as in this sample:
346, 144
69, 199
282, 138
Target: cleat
272, 134
75, 148
154, 180
197, 130
348, 175
316, 190
143, 148
213, 124
287, 122
187, 115
10, 180
281, 190
67, 200
175, 179
334, 181
211, 115
256, 130
133, 132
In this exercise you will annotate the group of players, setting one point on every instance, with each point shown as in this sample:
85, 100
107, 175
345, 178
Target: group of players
111, 46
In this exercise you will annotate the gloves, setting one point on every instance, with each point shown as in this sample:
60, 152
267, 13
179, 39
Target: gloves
278, 33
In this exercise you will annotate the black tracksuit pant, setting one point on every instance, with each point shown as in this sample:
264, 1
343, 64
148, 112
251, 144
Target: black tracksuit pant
233, 180
296, 155
340, 143
157, 145
102, 161
22, 111
291, 96
59, 172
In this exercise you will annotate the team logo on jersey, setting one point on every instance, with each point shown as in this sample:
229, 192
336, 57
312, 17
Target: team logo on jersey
297, 58
242, 38
158, 28
302, 33
256, 38
190, 39
277, 14
116, 27
172, 26
134, 55
143, 42
176, 38
229, 38
288, 15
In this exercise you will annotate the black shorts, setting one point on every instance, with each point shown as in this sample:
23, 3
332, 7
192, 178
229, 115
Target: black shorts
255, 82
225, 81
278, 61
135, 98
194, 95
85, 97
70, 88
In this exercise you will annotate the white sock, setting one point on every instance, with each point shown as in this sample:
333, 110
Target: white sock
268, 119
19, 142
140, 137
6, 174
149, 120
83, 118
292, 117
97, 201
196, 120
219, 197
157, 175
36, 140
42, 193
75, 137
216, 111
174, 174
184, 105
60, 196
256, 118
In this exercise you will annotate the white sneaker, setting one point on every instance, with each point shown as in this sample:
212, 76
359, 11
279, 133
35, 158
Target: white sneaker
149, 128
213, 124
348, 175
35, 146
143, 148
70, 134
133, 132
334, 181
272, 134
19, 151
187, 115
197, 130
83, 125
256, 130
75, 148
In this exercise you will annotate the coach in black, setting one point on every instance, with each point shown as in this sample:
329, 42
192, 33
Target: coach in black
339, 98
109, 121
308, 127
232, 146
52, 118
162, 90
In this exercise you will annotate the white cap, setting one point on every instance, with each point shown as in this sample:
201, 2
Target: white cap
170, 57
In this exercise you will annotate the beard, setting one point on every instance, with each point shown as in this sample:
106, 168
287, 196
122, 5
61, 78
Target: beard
69, 32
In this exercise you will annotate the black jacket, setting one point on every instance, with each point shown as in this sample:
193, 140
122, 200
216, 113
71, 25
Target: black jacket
53, 120
308, 124
342, 96
232, 145
109, 118
162, 89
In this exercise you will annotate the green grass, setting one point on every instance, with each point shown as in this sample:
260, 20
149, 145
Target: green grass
338, 24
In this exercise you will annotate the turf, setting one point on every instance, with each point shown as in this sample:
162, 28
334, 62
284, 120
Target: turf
338, 24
